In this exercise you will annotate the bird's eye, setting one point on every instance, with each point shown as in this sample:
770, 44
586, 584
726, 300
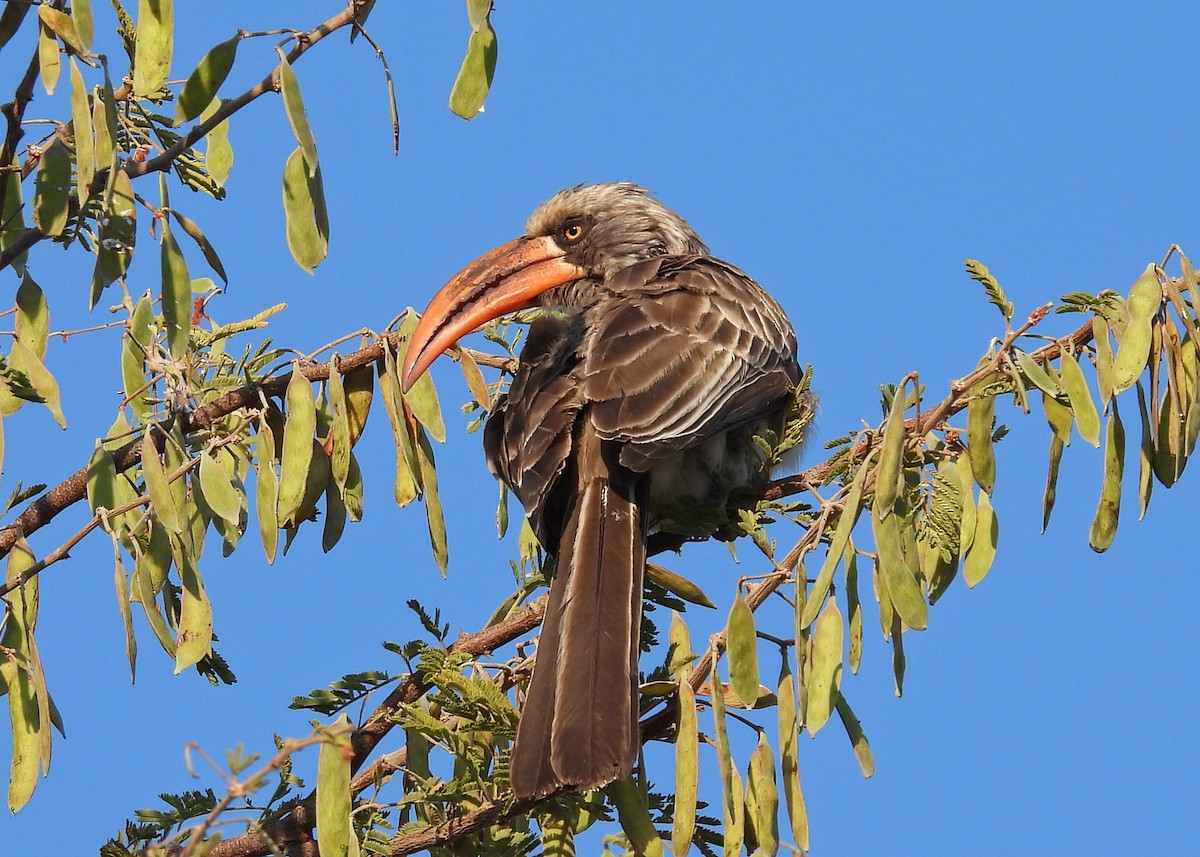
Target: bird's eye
571, 233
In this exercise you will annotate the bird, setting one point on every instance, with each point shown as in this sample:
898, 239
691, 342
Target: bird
637, 394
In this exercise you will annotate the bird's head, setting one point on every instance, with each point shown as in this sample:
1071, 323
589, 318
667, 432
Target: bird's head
586, 231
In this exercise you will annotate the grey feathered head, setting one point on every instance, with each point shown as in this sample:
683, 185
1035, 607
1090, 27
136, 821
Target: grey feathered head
618, 224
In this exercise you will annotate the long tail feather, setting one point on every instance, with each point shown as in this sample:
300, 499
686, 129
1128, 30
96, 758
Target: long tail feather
579, 725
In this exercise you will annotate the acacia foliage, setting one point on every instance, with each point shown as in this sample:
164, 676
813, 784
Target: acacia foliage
214, 415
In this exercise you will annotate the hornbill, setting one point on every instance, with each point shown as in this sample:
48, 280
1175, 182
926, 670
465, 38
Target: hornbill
638, 392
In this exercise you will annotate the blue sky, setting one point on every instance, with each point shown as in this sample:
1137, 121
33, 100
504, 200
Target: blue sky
849, 157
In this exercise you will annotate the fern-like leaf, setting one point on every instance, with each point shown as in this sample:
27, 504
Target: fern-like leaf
980, 273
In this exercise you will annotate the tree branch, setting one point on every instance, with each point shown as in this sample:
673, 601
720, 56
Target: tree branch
41, 511
14, 113
919, 426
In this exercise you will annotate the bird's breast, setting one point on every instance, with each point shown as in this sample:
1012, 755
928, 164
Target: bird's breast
692, 490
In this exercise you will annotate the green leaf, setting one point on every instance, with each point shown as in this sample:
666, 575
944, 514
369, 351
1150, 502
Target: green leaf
359, 385
978, 560
334, 824
176, 296
81, 14
52, 189
196, 234
49, 64
677, 584
634, 818
1050, 494
16, 674
789, 757
149, 575
742, 645
938, 548
1108, 510
901, 585
139, 334
1143, 304
297, 445
433, 502
121, 583
891, 459
1104, 364
25, 360
854, 609
421, 396
266, 492
219, 492
194, 640
991, 287
980, 415
335, 516
407, 469
32, 326
163, 500
687, 769
474, 378
762, 798
1034, 373
10, 20
475, 75
81, 119
858, 738
339, 441
293, 105
304, 212
104, 123
735, 816
847, 518
1058, 416
1087, 418
155, 41
62, 26
218, 154
1145, 457
12, 223
203, 83
731, 801
117, 234
824, 677
101, 480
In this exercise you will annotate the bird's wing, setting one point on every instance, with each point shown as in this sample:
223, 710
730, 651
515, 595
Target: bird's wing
529, 434
685, 348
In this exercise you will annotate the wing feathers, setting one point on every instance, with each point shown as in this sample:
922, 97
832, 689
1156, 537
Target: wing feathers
685, 348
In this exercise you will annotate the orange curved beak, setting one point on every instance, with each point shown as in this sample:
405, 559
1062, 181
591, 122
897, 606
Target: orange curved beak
505, 280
